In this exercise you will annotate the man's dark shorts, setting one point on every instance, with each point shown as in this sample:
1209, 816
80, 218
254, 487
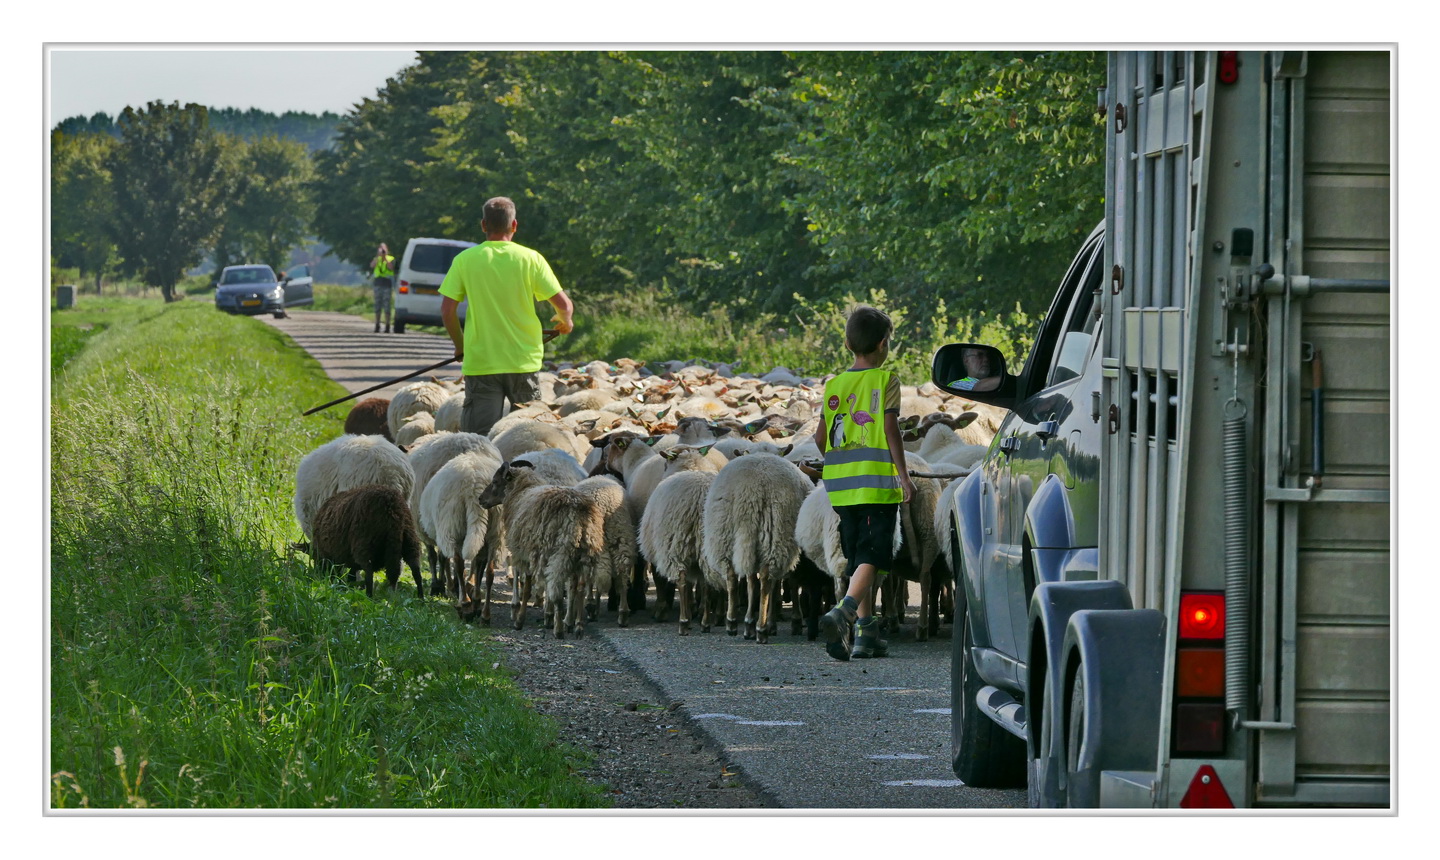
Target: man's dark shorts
485, 398
867, 535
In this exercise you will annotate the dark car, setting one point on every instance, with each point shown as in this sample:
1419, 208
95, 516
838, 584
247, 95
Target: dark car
250, 289
299, 286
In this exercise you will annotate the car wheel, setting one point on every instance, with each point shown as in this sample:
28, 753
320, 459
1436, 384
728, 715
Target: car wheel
984, 755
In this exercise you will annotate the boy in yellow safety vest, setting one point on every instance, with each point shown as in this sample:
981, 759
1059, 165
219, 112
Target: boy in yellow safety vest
865, 476
382, 267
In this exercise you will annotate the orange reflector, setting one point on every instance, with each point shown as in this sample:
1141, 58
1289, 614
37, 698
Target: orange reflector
1206, 792
404, 288
1202, 616
1200, 672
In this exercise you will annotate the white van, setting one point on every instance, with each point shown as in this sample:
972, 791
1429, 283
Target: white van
417, 283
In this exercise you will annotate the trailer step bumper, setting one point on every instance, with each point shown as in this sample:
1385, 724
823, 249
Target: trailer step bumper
1127, 789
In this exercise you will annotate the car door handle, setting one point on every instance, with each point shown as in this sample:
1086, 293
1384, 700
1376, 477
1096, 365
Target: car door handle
1048, 430
1009, 445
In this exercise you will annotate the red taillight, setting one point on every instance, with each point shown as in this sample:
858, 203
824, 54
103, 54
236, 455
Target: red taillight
1202, 616
1206, 792
404, 286
1200, 672
1229, 67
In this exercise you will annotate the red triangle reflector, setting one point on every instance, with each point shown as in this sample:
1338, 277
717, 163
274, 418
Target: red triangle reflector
1206, 792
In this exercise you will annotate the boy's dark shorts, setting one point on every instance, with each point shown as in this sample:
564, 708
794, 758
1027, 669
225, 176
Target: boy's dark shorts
867, 535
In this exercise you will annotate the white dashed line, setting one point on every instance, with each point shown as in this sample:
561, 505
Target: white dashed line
899, 757
769, 723
925, 783
716, 717
933, 711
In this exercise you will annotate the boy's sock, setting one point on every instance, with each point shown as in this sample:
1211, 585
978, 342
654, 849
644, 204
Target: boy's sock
850, 605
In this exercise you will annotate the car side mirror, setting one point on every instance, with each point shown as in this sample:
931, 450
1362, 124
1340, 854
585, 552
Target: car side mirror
969, 369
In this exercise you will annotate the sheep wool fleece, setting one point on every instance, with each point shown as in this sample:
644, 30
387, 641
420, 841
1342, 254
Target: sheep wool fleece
502, 281
858, 467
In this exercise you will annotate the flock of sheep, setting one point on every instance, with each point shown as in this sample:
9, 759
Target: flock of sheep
704, 482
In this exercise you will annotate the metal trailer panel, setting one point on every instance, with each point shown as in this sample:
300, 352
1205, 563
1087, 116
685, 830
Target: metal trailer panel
1327, 548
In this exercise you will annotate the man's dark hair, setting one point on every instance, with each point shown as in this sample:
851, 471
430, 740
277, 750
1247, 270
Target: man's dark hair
499, 215
865, 329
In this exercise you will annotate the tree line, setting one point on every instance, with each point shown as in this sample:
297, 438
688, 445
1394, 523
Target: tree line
316, 131
734, 178
169, 189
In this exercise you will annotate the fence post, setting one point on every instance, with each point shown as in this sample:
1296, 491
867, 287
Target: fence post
65, 296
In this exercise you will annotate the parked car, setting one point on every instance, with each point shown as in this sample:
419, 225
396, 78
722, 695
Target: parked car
299, 286
250, 289
417, 285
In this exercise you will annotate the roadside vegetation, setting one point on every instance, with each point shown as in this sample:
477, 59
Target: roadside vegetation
194, 662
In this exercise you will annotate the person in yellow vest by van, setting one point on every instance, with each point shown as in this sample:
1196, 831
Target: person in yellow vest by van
865, 477
382, 270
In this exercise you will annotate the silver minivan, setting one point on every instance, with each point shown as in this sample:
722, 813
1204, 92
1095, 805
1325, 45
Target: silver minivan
417, 283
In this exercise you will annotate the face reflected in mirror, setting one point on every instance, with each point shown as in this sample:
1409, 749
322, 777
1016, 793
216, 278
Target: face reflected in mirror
983, 372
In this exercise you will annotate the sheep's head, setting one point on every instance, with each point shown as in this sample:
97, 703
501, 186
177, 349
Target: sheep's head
501, 482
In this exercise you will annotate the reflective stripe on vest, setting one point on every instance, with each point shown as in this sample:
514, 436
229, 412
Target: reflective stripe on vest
858, 468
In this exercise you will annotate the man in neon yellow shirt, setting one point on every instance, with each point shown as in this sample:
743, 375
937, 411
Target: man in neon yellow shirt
501, 344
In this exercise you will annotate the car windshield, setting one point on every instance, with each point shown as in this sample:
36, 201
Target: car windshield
248, 275
434, 259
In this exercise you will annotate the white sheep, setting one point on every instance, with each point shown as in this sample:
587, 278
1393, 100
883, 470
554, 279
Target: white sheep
447, 416
415, 426
343, 464
426, 396
450, 510
916, 558
426, 458
749, 532
535, 435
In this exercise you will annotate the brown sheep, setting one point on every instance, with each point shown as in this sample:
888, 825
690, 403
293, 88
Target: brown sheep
368, 528
367, 418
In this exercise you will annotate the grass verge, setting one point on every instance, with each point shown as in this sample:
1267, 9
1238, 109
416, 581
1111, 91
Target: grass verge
193, 663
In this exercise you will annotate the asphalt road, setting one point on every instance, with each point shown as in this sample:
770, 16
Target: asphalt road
809, 731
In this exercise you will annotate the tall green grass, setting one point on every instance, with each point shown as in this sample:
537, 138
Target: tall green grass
194, 662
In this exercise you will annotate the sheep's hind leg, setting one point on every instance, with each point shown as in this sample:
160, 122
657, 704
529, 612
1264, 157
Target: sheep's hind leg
683, 584
766, 606
752, 604
731, 610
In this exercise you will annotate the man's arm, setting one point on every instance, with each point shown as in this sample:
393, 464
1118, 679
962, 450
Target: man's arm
564, 318
451, 317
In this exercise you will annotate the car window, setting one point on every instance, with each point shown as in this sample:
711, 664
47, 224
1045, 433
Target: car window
434, 259
300, 272
1075, 340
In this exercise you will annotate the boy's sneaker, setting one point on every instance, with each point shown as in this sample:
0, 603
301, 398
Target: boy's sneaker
868, 642
835, 627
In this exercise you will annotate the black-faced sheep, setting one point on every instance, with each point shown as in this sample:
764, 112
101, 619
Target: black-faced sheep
749, 533
367, 528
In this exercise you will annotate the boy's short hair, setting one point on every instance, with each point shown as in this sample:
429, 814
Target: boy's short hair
866, 329
499, 214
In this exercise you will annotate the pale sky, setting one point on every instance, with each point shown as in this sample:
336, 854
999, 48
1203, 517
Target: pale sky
82, 80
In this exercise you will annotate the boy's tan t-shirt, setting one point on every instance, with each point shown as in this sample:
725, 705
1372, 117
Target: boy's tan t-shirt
502, 281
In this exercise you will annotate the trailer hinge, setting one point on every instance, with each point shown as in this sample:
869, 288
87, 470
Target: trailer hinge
1120, 118
1114, 423
1117, 280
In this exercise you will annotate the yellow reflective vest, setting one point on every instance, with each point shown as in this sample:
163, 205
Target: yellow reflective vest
858, 467
382, 266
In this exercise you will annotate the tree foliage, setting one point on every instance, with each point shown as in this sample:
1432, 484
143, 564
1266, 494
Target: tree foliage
740, 178
81, 203
170, 190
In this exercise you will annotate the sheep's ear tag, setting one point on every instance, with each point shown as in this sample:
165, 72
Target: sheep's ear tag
909, 422
781, 433
910, 435
622, 443
756, 426
670, 454
662, 413
651, 440
705, 450
965, 419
